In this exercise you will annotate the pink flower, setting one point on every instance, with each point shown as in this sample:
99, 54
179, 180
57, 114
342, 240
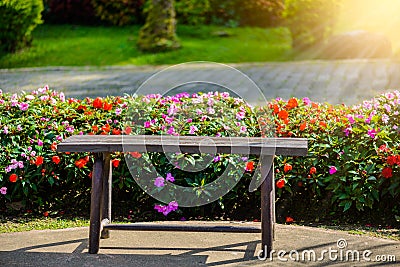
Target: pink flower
351, 119
171, 131
159, 182
189, 120
147, 124
193, 129
40, 142
23, 106
5, 130
372, 133
170, 178
173, 206
240, 115
332, 170
306, 101
3, 190
70, 129
347, 131
19, 128
172, 110
118, 111
169, 120
243, 129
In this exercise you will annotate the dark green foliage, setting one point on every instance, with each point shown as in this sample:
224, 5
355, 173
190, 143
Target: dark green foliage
158, 33
310, 21
18, 18
192, 12
118, 12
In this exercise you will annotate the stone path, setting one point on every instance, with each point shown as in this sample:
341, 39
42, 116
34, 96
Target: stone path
345, 81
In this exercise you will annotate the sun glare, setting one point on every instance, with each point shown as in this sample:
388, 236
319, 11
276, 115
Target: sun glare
373, 15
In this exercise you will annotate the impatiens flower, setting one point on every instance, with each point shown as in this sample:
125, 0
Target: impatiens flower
13, 178
189, 120
240, 115
5, 130
217, 158
387, 172
243, 129
171, 131
3, 190
280, 183
172, 110
332, 170
351, 119
147, 124
193, 129
136, 155
106, 128
107, 106
306, 101
70, 129
289, 219
170, 178
250, 166
19, 128
385, 118
80, 163
372, 133
118, 111
347, 131
98, 103
283, 114
292, 103
40, 142
39, 160
303, 126
287, 167
159, 182
115, 163
173, 206
23, 106
313, 170
56, 159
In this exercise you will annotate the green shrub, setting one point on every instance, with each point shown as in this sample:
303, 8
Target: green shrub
18, 18
118, 12
69, 11
310, 21
192, 12
353, 161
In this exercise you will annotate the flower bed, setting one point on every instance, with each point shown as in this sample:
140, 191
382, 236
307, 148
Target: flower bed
354, 157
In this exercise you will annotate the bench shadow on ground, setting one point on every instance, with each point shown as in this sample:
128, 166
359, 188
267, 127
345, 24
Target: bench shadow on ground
154, 256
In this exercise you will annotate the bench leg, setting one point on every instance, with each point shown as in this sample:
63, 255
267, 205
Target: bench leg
107, 189
267, 206
95, 204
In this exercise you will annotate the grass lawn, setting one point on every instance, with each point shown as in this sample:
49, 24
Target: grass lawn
68, 45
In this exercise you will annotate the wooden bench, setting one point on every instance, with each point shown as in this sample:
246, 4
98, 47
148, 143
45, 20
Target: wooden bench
103, 145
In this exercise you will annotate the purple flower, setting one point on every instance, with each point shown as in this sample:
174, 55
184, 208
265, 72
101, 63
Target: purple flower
118, 111
193, 129
173, 206
172, 110
7, 169
159, 182
245, 159
70, 129
332, 170
199, 112
5, 130
40, 142
59, 138
347, 131
217, 158
372, 133
170, 178
171, 131
23, 106
20, 164
29, 148
3, 190
169, 120
351, 119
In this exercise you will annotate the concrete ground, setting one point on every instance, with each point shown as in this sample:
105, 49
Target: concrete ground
68, 247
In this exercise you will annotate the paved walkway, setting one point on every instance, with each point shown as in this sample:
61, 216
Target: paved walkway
345, 81
69, 248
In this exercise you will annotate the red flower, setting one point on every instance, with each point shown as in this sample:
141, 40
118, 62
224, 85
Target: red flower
106, 128
250, 166
128, 130
136, 155
283, 114
289, 219
80, 163
116, 131
97, 103
391, 160
39, 160
313, 170
287, 167
387, 172
115, 163
303, 126
107, 106
322, 124
81, 107
56, 159
90, 175
280, 183
53, 146
13, 178
95, 128
45, 214
292, 103
383, 148
275, 107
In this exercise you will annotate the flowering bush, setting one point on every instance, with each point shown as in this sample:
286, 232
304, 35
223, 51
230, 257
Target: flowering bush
353, 157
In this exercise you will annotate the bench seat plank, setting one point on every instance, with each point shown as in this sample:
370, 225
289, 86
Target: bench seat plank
185, 144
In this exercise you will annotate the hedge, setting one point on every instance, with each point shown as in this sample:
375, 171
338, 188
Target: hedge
353, 161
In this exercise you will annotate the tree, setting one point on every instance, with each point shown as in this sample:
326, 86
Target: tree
159, 32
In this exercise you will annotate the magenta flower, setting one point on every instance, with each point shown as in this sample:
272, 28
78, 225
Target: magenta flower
240, 115
5, 130
3, 190
372, 133
172, 110
193, 129
70, 129
171, 131
173, 206
385, 118
347, 131
217, 158
243, 129
189, 120
169, 120
351, 119
159, 182
40, 142
170, 178
147, 124
118, 111
332, 170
